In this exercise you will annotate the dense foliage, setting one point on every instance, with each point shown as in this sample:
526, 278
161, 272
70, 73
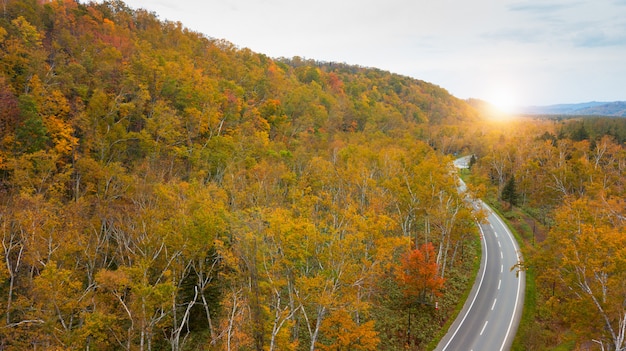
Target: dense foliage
163, 190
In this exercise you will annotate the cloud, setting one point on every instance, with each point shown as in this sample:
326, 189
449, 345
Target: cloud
594, 38
564, 24
541, 8
518, 35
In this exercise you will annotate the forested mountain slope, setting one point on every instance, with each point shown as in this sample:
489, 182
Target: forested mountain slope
163, 190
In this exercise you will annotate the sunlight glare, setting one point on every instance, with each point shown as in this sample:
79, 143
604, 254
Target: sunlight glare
504, 100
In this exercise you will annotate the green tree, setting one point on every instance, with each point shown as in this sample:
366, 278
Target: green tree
472, 161
31, 133
509, 192
581, 133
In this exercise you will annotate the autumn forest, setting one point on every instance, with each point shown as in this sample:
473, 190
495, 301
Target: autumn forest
164, 190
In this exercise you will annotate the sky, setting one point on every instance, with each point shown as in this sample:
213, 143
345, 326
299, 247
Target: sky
508, 52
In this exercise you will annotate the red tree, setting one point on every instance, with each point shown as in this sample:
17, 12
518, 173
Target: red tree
418, 273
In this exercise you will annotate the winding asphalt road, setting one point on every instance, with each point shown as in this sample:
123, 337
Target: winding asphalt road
491, 314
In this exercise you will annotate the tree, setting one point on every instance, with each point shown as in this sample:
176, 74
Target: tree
418, 275
60, 302
9, 115
509, 192
581, 133
586, 255
472, 161
342, 333
31, 133
419, 280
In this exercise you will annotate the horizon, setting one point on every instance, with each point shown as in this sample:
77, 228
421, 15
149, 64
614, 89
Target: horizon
556, 104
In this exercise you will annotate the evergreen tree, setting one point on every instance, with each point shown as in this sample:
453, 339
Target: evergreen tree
509, 192
580, 134
31, 134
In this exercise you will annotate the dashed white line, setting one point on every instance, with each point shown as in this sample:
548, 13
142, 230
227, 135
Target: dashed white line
494, 304
484, 326
508, 332
519, 286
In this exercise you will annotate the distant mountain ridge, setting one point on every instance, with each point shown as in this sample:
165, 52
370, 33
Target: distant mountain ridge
593, 108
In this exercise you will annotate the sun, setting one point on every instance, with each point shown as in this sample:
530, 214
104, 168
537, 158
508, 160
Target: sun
503, 99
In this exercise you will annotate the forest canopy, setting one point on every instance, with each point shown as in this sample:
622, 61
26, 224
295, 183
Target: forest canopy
163, 189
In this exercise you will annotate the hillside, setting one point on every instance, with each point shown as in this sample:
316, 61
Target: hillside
160, 189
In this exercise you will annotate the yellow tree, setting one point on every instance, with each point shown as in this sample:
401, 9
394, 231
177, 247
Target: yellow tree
589, 252
287, 251
60, 303
351, 244
54, 110
342, 333
200, 219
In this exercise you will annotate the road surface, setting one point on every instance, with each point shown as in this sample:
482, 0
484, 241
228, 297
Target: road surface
462, 162
491, 314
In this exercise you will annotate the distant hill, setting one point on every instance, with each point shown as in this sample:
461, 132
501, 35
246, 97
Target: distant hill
593, 108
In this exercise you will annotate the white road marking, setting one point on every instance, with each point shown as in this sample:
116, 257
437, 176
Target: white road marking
499, 283
501, 268
484, 326
519, 286
494, 304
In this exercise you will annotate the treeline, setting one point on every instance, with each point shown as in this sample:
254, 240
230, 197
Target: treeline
570, 176
164, 190
594, 128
